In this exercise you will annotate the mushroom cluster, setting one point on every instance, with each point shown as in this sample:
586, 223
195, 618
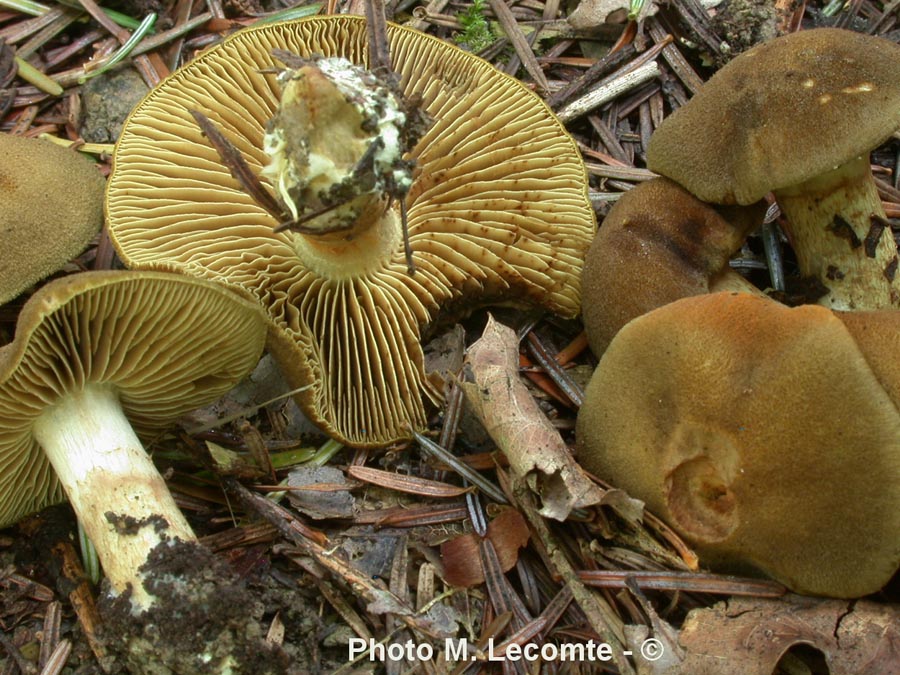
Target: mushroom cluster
753, 429
496, 207
798, 116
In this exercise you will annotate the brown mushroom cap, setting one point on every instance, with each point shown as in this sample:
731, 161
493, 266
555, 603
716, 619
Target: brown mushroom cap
51, 206
166, 343
785, 111
878, 336
498, 210
658, 243
762, 434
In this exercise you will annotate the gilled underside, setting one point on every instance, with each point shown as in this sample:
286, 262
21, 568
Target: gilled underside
483, 225
112, 339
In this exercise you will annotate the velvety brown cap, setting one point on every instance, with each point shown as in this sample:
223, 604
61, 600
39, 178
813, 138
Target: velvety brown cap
51, 206
877, 334
783, 112
658, 243
166, 342
762, 434
498, 211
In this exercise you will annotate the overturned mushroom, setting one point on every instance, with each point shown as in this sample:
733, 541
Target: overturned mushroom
51, 206
98, 357
497, 211
798, 116
659, 243
768, 437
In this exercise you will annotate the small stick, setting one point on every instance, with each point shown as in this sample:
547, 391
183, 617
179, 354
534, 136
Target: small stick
691, 582
233, 159
34, 76
555, 371
380, 62
675, 58
151, 66
520, 43
376, 24
82, 599
591, 75
298, 224
407, 249
604, 94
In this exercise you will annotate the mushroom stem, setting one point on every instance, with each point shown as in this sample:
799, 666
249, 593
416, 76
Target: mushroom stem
337, 147
731, 281
118, 495
836, 225
355, 253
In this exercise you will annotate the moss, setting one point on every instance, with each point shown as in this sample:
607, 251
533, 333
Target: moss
477, 32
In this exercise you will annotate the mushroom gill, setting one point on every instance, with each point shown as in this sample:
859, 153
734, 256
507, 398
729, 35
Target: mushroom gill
497, 212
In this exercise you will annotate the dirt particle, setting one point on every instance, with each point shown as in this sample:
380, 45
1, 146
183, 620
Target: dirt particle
204, 619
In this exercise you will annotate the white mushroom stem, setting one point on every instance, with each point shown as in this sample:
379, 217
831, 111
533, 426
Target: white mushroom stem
120, 499
837, 241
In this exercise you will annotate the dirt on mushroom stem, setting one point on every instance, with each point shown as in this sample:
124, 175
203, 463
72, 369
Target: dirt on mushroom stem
203, 620
337, 146
837, 229
122, 501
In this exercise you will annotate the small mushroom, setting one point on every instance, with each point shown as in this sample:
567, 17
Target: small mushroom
98, 359
659, 243
768, 437
51, 206
798, 116
497, 211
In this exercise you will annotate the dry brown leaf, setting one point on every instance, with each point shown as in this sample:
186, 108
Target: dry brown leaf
402, 483
593, 13
535, 450
508, 533
750, 636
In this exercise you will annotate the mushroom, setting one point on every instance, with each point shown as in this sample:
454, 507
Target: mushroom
798, 116
497, 211
51, 206
659, 243
98, 359
717, 411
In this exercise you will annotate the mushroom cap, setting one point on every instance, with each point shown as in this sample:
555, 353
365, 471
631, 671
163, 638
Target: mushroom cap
167, 343
761, 433
781, 113
877, 333
658, 243
51, 206
498, 210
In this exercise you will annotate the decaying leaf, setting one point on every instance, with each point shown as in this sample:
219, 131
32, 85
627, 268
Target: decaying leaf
593, 13
230, 463
535, 450
264, 388
327, 493
508, 533
750, 636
